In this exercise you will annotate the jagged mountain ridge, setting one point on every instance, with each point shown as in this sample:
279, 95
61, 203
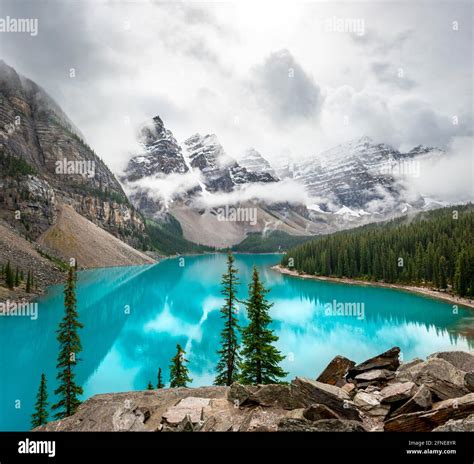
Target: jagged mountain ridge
203, 158
253, 161
220, 171
210, 171
351, 184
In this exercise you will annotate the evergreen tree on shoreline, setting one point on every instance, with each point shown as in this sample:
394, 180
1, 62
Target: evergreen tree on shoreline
260, 357
229, 359
160, 383
149, 386
70, 346
433, 249
179, 374
40, 415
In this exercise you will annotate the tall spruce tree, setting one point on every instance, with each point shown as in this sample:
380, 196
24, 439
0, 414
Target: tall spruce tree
9, 277
443, 273
40, 415
461, 276
179, 374
28, 282
261, 359
70, 346
159, 383
229, 359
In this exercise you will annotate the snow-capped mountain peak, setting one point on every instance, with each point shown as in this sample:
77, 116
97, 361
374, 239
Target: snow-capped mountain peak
253, 161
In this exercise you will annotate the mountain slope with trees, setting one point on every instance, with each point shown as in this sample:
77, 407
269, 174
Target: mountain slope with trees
434, 249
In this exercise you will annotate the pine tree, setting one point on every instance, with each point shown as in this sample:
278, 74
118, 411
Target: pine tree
260, 357
40, 415
229, 359
17, 277
461, 274
149, 386
28, 282
179, 375
160, 383
443, 273
70, 345
9, 277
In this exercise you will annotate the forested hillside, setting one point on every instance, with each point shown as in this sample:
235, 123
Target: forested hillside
434, 248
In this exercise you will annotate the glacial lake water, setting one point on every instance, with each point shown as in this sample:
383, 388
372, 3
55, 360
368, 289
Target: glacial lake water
134, 316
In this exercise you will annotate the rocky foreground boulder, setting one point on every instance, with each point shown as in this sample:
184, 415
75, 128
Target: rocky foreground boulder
380, 394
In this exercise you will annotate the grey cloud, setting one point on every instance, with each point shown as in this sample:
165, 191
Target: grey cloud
284, 90
387, 74
382, 45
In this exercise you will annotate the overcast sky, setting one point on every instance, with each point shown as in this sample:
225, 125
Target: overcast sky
270, 75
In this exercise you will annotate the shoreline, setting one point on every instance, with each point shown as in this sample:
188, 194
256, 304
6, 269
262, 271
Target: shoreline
423, 291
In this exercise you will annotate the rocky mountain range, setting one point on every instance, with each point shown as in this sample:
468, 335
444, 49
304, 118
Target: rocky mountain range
361, 175
204, 170
352, 184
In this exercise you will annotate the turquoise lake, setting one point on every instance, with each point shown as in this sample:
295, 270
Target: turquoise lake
134, 316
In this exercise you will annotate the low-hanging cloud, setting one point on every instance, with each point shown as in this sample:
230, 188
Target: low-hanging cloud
284, 89
165, 188
447, 178
272, 192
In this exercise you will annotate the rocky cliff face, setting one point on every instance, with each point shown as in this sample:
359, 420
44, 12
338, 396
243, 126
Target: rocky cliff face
380, 394
45, 161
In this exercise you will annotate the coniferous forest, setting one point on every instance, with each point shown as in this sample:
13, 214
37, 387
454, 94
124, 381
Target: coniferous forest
434, 248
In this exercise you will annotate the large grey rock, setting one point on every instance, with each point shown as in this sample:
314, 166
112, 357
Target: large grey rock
370, 404
407, 365
441, 377
191, 407
335, 371
311, 391
421, 401
239, 394
325, 425
425, 421
262, 419
349, 388
130, 419
469, 381
131, 411
374, 375
317, 412
459, 359
387, 360
459, 425
275, 396
398, 392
